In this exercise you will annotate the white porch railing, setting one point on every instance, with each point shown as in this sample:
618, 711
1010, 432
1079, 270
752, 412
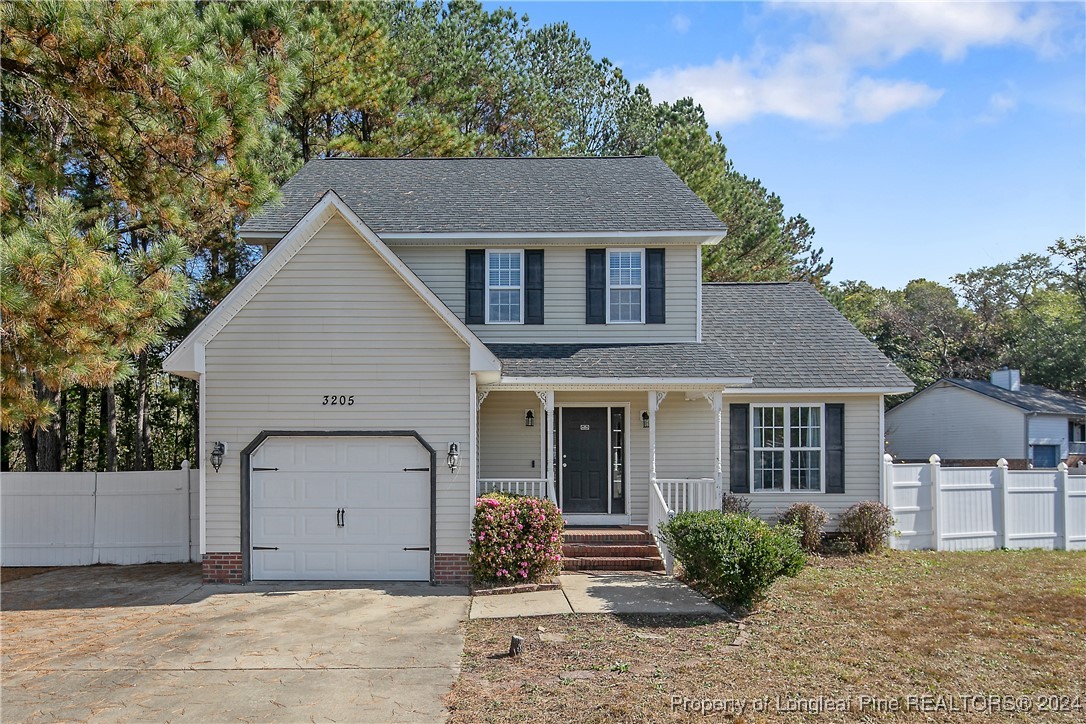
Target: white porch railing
668, 496
515, 486
686, 494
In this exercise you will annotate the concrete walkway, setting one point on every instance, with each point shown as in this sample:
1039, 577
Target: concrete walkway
150, 643
605, 592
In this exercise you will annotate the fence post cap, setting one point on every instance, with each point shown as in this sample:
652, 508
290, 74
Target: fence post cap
1062, 467
1002, 462
184, 464
888, 458
934, 459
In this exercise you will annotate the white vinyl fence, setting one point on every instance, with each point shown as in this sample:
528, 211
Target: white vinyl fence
77, 519
956, 509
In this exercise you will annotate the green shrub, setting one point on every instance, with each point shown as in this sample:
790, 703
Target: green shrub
809, 519
515, 539
733, 556
867, 524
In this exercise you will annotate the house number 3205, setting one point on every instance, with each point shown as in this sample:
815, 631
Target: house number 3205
338, 400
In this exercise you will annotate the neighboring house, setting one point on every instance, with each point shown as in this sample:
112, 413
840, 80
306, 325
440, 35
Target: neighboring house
423, 330
972, 421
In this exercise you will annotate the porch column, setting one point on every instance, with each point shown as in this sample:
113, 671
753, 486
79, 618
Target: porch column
655, 398
477, 397
547, 398
718, 471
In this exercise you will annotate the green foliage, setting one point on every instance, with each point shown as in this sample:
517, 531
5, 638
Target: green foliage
73, 314
737, 557
515, 539
732, 503
808, 519
867, 524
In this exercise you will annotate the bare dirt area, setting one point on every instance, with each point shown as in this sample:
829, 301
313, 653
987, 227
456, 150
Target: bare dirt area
14, 574
894, 637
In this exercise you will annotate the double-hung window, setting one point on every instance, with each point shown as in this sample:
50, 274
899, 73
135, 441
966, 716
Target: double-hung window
625, 286
505, 287
787, 446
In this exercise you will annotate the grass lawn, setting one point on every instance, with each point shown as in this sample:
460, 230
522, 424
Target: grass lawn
935, 626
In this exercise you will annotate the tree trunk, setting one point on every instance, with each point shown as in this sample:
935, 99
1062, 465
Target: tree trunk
5, 456
141, 411
62, 429
109, 425
48, 438
30, 449
81, 431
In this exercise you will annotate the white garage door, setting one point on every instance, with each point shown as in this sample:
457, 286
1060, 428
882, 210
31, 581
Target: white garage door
340, 508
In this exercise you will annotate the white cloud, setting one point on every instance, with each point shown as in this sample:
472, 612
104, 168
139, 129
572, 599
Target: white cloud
828, 77
680, 22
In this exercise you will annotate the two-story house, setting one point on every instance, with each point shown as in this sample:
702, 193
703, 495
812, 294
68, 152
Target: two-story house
424, 330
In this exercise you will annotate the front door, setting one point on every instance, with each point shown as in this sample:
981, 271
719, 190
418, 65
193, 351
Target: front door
584, 460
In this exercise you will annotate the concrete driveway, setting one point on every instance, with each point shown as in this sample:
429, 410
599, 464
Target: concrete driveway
150, 643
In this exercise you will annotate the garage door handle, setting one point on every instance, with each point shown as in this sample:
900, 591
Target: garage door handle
265, 548
416, 470
341, 518
262, 470
418, 549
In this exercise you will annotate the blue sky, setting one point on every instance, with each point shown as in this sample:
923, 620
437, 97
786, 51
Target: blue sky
920, 139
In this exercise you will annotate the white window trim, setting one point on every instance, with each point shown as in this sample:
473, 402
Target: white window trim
644, 274
523, 275
787, 449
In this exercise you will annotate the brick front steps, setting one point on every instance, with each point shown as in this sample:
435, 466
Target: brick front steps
625, 548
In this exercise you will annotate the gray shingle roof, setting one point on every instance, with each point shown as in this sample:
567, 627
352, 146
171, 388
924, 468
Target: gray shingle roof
493, 195
791, 336
683, 359
782, 335
1031, 398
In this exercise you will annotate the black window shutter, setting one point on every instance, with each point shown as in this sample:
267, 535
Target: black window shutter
835, 448
475, 287
654, 286
533, 286
595, 307
739, 439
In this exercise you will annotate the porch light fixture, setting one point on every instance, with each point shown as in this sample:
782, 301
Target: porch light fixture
529, 418
645, 419
453, 458
217, 453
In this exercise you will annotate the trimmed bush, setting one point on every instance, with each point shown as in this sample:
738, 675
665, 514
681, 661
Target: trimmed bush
867, 524
515, 539
733, 556
735, 504
809, 519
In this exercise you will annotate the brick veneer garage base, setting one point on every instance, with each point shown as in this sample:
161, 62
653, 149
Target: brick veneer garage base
222, 568
452, 568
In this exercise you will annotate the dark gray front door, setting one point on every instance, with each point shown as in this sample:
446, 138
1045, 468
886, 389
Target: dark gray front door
584, 459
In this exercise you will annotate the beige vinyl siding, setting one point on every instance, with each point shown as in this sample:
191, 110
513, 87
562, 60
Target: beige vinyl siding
507, 448
863, 453
952, 422
336, 320
442, 268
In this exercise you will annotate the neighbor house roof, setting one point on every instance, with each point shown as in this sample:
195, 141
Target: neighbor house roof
1030, 398
494, 195
792, 337
784, 336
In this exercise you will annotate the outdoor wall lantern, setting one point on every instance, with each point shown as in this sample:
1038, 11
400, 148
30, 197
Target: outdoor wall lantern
645, 419
453, 458
217, 453
529, 418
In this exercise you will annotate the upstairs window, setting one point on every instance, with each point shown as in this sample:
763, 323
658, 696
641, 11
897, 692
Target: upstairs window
787, 447
505, 287
625, 286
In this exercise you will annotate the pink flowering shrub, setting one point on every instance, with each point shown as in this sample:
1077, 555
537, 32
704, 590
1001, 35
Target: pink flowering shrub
515, 539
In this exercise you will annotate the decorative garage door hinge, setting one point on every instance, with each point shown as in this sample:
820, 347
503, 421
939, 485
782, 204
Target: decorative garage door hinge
265, 548
426, 548
416, 470
261, 470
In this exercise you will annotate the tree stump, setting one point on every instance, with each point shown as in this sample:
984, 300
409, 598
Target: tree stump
516, 646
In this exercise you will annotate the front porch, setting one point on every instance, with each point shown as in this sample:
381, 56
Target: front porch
606, 457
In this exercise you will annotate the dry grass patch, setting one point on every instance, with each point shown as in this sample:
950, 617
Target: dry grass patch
10, 574
889, 626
